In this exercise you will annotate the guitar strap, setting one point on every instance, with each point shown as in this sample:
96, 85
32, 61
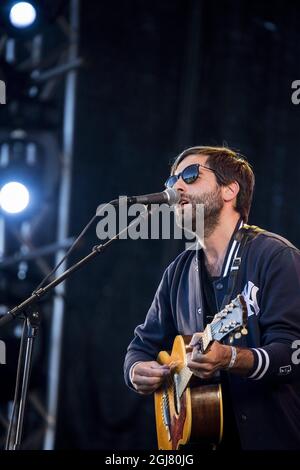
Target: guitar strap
243, 235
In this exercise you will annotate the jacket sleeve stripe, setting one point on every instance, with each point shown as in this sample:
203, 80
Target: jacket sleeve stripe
259, 364
266, 365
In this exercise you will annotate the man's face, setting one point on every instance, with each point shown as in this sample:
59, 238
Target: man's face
204, 190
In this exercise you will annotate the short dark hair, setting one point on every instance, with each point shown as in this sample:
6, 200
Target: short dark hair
229, 166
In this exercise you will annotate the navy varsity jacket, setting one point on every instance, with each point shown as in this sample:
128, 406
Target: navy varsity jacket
267, 402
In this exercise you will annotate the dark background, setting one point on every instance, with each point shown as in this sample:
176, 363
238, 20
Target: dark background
160, 76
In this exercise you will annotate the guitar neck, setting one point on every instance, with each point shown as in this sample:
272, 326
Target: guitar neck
207, 338
185, 374
231, 319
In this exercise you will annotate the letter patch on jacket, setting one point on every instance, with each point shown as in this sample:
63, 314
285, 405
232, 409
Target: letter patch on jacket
250, 295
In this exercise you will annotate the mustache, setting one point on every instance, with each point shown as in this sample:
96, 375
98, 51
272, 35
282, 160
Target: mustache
190, 198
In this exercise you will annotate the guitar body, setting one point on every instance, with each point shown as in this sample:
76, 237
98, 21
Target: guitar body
187, 408
193, 415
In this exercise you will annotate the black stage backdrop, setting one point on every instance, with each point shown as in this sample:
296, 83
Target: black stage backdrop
161, 76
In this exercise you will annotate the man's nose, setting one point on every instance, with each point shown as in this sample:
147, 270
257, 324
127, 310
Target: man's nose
180, 185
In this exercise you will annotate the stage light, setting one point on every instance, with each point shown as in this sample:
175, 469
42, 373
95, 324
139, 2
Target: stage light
14, 197
22, 14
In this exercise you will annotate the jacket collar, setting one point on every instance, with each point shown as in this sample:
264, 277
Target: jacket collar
231, 251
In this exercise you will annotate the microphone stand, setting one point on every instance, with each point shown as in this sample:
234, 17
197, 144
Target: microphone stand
30, 331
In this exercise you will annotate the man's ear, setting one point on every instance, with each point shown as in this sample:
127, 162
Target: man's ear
230, 191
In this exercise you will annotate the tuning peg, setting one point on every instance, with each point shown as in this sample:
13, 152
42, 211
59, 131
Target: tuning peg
237, 335
231, 339
244, 331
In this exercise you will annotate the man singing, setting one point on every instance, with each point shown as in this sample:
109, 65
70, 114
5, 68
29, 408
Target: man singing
259, 372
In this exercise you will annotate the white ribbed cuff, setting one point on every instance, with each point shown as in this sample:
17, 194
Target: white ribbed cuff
131, 370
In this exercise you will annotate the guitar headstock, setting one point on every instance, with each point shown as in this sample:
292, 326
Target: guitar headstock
231, 320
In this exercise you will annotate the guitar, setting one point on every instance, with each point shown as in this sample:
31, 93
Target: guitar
192, 410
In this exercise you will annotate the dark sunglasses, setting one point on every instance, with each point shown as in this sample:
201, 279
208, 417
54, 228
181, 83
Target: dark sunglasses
189, 175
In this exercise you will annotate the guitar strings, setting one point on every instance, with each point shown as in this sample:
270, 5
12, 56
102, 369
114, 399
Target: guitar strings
182, 373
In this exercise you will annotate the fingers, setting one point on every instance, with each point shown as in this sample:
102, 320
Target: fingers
199, 361
204, 371
210, 355
142, 380
145, 390
197, 356
148, 376
147, 384
197, 366
195, 339
146, 371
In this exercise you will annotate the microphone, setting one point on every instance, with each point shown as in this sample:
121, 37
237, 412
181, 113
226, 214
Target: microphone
169, 196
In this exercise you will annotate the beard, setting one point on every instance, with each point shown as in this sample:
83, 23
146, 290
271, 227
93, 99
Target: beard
201, 212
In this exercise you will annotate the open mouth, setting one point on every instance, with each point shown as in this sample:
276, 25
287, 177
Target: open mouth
183, 202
